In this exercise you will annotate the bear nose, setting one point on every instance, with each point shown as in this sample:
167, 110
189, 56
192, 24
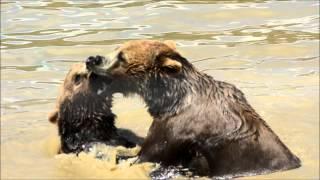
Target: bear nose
94, 61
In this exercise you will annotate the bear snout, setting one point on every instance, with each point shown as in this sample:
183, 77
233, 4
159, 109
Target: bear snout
94, 61
99, 65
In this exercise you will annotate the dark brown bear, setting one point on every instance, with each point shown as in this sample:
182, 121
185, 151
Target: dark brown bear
200, 123
83, 112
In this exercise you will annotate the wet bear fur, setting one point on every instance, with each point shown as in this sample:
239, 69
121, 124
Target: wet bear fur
83, 113
198, 122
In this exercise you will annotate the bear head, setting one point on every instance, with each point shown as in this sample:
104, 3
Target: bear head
83, 110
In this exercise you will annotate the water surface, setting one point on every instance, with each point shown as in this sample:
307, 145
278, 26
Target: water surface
269, 49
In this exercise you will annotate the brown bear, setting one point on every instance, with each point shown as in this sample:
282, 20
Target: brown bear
83, 112
198, 122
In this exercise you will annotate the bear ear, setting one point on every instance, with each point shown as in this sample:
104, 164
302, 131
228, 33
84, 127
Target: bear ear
171, 65
53, 116
171, 44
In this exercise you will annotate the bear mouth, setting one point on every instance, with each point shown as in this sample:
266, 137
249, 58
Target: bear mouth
96, 77
100, 85
100, 72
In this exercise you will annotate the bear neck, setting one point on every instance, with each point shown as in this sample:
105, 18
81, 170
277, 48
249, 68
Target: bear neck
85, 118
167, 96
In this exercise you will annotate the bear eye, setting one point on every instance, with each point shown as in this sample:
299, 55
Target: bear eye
121, 57
77, 79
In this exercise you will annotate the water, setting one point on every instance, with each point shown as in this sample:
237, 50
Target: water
269, 49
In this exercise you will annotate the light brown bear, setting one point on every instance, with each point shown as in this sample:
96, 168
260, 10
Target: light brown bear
83, 112
198, 122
